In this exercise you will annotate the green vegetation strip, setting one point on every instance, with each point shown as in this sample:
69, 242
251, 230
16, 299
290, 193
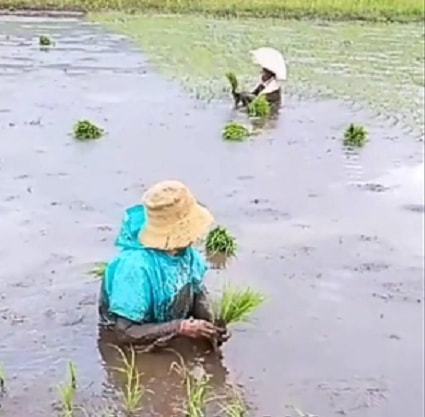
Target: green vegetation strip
380, 65
395, 10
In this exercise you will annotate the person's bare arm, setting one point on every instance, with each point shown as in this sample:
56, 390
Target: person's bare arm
130, 332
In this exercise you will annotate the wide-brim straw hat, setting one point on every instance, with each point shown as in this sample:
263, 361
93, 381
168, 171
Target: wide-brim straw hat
175, 219
272, 60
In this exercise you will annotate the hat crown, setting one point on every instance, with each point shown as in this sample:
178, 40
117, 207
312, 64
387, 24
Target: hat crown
169, 199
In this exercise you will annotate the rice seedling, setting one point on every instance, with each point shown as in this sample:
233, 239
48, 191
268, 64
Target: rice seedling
235, 132
133, 390
44, 41
197, 389
260, 107
68, 392
236, 305
220, 241
355, 136
233, 81
99, 270
236, 407
2, 379
86, 130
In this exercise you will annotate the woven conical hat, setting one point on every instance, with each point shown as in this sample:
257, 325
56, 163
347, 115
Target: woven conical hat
175, 218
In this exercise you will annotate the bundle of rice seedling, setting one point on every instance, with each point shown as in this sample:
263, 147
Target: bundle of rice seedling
86, 130
233, 81
355, 136
235, 132
45, 41
259, 107
220, 241
237, 305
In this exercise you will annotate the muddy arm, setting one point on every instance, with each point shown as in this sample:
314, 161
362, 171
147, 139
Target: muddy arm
202, 308
130, 332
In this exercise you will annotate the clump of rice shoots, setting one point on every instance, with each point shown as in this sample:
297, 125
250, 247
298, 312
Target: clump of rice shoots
197, 387
99, 270
233, 81
259, 107
235, 132
44, 41
220, 241
68, 392
236, 406
86, 130
237, 305
355, 136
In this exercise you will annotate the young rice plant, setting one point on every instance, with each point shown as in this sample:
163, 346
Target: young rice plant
45, 41
68, 392
133, 390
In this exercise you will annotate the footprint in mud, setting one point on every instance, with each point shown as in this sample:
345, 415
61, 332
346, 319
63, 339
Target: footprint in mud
369, 267
376, 188
415, 208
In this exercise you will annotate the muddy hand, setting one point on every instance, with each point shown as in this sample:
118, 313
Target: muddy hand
198, 329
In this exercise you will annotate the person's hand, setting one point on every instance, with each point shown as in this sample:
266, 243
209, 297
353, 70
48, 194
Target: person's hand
223, 335
198, 328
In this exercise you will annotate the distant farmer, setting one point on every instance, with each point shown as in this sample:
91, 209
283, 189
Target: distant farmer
273, 72
154, 290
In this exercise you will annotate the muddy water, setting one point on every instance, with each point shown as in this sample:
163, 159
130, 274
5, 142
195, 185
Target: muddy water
333, 238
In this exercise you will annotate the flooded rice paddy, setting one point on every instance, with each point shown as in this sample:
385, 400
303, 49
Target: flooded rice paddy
380, 65
334, 238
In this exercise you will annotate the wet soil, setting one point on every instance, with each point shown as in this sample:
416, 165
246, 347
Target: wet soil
334, 238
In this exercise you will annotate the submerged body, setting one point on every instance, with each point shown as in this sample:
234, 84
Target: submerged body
151, 295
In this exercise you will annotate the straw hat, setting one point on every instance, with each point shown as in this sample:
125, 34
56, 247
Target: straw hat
271, 59
175, 218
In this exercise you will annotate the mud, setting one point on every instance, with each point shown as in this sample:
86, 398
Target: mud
340, 261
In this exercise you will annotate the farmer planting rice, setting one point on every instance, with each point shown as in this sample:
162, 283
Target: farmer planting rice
154, 290
273, 72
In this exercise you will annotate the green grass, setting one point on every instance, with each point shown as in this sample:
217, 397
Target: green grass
235, 132
220, 241
86, 130
237, 305
236, 406
374, 64
260, 107
355, 136
400, 10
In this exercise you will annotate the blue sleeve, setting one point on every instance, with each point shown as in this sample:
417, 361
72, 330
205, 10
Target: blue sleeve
128, 288
199, 269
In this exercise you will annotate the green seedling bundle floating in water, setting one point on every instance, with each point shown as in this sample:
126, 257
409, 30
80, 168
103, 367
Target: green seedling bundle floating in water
220, 242
86, 130
235, 132
44, 41
355, 136
237, 305
259, 107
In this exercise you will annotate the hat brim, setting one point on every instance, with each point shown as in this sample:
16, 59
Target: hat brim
178, 235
